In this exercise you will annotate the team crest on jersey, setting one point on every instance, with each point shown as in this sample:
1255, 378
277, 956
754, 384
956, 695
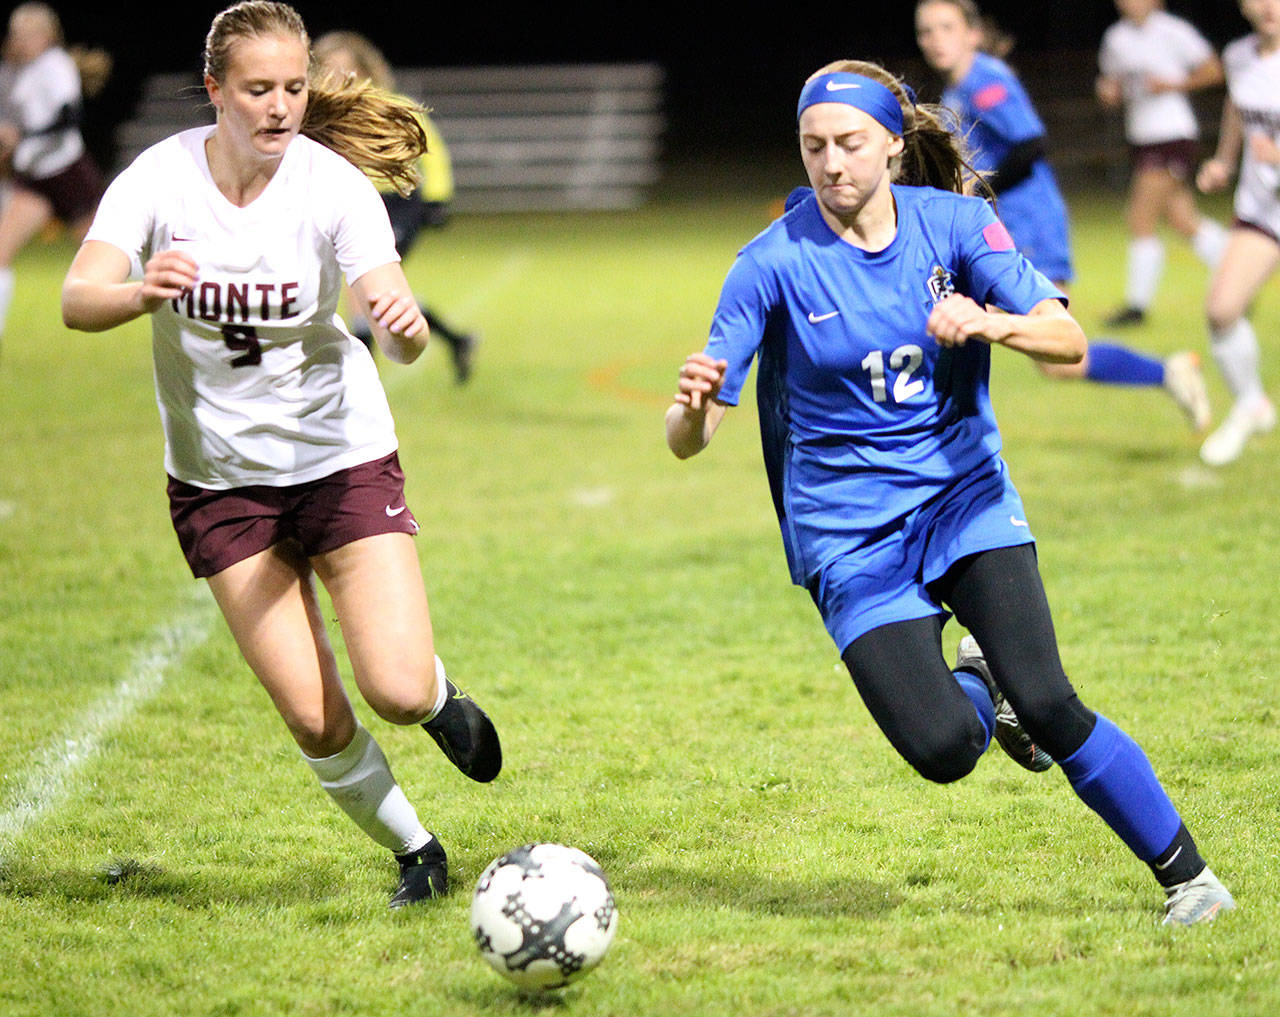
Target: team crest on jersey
941, 284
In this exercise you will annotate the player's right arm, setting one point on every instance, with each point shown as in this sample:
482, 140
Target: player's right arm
693, 417
97, 293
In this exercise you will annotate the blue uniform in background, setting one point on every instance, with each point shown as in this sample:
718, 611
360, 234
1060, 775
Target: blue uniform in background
881, 447
996, 114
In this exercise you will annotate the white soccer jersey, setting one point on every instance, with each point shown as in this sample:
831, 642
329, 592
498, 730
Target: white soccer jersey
1163, 46
257, 379
40, 91
1253, 81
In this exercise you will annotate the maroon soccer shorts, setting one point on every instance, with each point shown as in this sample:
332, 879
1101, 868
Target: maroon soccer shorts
219, 528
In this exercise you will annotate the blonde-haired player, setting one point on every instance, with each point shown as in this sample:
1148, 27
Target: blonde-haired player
280, 447
1250, 124
1150, 61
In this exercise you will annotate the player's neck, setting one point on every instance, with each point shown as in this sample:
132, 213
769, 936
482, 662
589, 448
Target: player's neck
961, 70
871, 227
240, 180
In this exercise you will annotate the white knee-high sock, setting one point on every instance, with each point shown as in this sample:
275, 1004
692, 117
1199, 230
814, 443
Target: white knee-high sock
1146, 262
360, 781
6, 295
1235, 351
1209, 241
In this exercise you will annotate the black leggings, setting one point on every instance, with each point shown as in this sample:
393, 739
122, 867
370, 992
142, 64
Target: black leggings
902, 677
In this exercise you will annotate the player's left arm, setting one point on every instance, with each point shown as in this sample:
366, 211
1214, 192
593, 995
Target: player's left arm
1206, 74
385, 299
1047, 332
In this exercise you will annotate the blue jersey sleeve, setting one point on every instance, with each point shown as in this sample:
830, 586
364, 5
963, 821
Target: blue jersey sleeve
996, 271
738, 325
998, 101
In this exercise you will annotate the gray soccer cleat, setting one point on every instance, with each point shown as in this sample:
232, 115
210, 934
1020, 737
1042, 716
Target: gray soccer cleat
1016, 743
1197, 900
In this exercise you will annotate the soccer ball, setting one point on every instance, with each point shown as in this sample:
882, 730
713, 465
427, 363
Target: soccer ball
543, 915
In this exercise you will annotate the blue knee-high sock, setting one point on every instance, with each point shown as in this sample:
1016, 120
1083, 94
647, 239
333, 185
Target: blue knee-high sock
1112, 776
1112, 364
974, 687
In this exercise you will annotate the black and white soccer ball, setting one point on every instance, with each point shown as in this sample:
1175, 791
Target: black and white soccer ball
543, 915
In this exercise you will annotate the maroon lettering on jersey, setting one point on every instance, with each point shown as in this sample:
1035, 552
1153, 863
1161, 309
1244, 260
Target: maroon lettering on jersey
231, 302
265, 289
287, 293
238, 296
210, 301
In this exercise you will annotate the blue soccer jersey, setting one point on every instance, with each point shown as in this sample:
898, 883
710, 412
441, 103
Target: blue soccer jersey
996, 114
864, 418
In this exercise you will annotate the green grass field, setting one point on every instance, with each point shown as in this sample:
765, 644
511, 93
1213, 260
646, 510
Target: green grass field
667, 701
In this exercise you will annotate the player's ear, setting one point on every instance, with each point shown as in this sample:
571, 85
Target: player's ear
214, 91
896, 145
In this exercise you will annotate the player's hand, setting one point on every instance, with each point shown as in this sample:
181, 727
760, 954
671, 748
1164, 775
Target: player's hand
1214, 175
700, 381
1264, 149
1158, 86
956, 319
167, 275
1108, 90
399, 314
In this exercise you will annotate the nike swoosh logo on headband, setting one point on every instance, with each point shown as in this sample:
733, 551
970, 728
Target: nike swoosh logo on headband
840, 86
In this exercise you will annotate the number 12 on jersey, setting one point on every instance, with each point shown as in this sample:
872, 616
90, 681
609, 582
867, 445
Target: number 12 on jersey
905, 360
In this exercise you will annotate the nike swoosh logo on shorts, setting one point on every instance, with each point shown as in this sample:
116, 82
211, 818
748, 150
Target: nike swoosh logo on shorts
840, 86
1017, 522
396, 512
815, 318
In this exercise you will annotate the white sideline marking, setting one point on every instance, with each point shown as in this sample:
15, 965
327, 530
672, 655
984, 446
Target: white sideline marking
48, 783
511, 269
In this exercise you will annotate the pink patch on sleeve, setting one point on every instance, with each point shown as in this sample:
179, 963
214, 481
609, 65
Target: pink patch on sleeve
997, 237
990, 96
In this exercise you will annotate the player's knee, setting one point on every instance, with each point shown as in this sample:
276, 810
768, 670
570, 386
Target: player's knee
320, 737
946, 755
404, 702
1222, 312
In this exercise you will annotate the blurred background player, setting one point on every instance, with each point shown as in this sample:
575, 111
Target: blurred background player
1007, 141
1250, 134
54, 177
1150, 61
349, 53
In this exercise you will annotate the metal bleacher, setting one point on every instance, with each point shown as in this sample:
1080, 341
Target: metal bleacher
533, 138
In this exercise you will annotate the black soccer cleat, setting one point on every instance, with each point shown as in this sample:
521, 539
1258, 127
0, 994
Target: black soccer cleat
424, 875
1016, 743
466, 736
1126, 317
462, 348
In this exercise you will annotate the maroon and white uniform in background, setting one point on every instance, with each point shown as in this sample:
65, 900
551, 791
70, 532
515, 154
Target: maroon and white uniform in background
1165, 47
40, 92
257, 378
1253, 82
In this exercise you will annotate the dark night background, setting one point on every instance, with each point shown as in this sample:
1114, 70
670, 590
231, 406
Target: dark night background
732, 72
